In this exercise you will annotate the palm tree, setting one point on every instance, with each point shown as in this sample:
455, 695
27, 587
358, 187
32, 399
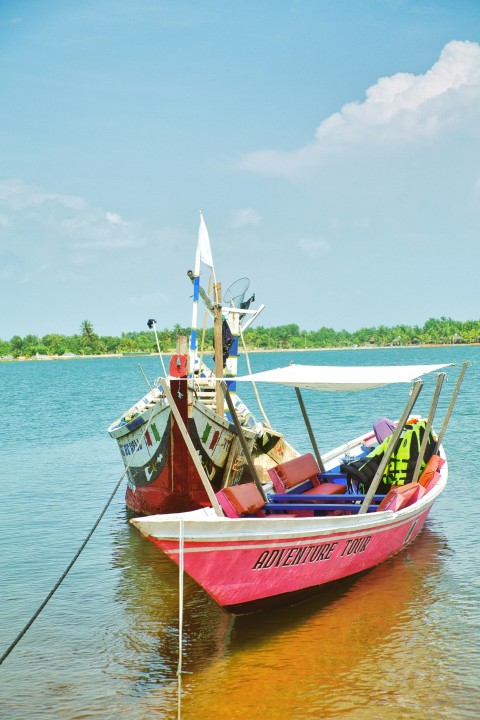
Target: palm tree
86, 328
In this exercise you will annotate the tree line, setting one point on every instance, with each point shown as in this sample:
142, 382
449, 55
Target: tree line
86, 342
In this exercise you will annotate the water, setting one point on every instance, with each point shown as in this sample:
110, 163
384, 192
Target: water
400, 642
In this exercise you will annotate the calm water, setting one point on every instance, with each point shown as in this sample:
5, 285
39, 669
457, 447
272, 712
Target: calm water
402, 641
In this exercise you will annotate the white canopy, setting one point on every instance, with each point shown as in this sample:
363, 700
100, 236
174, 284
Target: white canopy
332, 377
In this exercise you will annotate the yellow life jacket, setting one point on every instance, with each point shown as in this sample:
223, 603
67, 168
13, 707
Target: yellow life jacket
401, 466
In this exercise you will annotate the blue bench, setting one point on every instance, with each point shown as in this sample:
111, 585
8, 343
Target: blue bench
315, 508
332, 499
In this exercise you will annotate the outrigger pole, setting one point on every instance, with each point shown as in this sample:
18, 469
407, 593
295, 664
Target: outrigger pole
417, 386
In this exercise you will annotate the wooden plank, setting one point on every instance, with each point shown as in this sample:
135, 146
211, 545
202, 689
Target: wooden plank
417, 386
191, 448
309, 430
241, 437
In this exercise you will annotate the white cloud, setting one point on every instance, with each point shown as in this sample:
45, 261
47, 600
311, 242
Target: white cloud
313, 248
402, 108
244, 217
114, 218
16, 195
69, 220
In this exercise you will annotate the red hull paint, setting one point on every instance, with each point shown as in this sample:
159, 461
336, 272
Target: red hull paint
177, 487
158, 498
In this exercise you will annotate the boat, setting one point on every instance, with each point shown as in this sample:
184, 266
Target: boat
255, 546
162, 477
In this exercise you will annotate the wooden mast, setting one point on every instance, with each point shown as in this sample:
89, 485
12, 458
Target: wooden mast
217, 344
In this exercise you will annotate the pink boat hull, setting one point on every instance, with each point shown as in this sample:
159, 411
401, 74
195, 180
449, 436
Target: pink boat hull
245, 575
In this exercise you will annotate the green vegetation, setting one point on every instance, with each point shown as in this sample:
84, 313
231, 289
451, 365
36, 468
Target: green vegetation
87, 342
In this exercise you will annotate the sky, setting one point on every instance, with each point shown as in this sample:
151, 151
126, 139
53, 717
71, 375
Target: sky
333, 147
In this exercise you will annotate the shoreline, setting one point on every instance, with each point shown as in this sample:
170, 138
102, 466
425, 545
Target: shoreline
48, 358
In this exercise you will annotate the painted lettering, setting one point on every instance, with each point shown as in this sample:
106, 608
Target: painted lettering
358, 545
129, 448
271, 559
290, 555
302, 552
294, 556
263, 556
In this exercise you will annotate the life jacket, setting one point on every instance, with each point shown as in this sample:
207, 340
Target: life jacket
401, 466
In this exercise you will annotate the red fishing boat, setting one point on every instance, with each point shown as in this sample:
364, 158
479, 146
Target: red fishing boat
321, 518
161, 475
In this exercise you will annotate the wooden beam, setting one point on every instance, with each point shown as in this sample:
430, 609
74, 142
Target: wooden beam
309, 430
243, 442
417, 386
191, 448
428, 426
217, 344
450, 407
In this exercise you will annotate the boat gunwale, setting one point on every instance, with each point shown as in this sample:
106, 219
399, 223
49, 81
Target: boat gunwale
200, 528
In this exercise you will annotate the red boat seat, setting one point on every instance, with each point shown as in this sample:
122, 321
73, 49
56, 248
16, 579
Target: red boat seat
402, 496
291, 474
431, 469
241, 500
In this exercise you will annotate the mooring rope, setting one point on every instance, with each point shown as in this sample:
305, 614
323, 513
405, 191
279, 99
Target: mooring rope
257, 394
180, 618
77, 554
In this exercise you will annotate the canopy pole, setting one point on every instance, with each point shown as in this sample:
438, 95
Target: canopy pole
428, 426
191, 448
241, 437
450, 407
309, 430
417, 386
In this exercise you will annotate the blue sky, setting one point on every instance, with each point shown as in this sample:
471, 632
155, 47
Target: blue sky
332, 145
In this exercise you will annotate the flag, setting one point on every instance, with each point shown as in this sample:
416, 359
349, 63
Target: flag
204, 251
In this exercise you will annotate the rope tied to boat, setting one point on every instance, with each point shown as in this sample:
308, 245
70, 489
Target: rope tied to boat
78, 553
181, 536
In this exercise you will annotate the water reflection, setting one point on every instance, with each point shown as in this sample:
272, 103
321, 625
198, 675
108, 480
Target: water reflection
148, 592
354, 646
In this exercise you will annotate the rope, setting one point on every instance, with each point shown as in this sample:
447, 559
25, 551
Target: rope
77, 554
144, 376
180, 617
257, 395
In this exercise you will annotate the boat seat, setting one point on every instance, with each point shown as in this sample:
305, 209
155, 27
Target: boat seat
241, 501
288, 476
431, 474
401, 496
